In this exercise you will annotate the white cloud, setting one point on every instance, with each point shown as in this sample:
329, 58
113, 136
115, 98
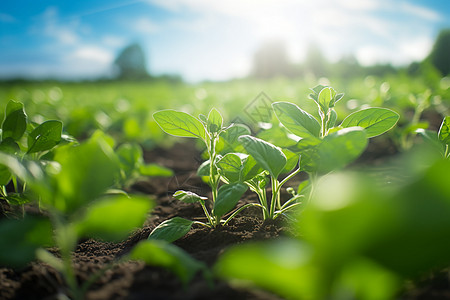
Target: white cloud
419, 11
51, 26
145, 25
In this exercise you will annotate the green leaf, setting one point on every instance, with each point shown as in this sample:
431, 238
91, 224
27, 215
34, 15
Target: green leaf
179, 123
162, 254
340, 148
19, 239
307, 149
296, 120
229, 137
280, 266
215, 121
45, 136
444, 131
155, 170
250, 168
87, 171
188, 197
326, 98
114, 218
204, 168
292, 160
230, 167
17, 199
227, 198
15, 122
9, 146
171, 230
374, 120
270, 157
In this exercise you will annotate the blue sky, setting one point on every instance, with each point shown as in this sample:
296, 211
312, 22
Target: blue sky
208, 39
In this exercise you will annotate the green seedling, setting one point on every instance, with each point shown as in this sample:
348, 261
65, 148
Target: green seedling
440, 140
323, 146
210, 131
132, 165
22, 139
73, 190
252, 169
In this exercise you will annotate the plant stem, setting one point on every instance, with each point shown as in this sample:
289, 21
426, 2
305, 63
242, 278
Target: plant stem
240, 209
273, 202
205, 210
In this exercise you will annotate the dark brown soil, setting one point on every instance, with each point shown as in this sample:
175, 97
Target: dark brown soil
133, 280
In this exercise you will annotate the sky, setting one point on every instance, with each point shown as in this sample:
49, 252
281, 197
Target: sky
208, 39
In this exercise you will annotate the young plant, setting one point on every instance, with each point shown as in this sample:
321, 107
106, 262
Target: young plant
73, 190
263, 160
22, 139
323, 146
224, 197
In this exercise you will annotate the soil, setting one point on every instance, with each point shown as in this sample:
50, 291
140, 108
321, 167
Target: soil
133, 280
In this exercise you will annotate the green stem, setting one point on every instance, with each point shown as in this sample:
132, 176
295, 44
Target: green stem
281, 211
291, 200
240, 209
273, 202
205, 210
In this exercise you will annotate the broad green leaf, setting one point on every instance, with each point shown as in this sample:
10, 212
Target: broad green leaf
332, 120
292, 160
19, 239
204, 168
307, 149
250, 168
215, 121
188, 197
179, 123
87, 171
340, 148
270, 157
45, 136
375, 121
326, 98
12, 106
230, 167
444, 131
9, 146
114, 218
228, 141
233, 132
296, 120
227, 198
171, 230
155, 170
280, 266
15, 122
315, 92
163, 254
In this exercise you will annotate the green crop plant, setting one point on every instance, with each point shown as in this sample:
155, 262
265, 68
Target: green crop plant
322, 145
224, 197
356, 239
25, 140
73, 190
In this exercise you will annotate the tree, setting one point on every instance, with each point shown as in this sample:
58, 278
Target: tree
271, 59
439, 55
131, 63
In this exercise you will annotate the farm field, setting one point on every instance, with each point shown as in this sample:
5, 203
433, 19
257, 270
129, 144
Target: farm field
336, 196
